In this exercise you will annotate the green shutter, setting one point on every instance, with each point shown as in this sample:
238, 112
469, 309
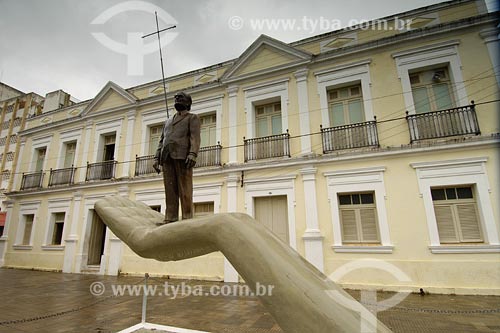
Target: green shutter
421, 100
356, 114
442, 96
337, 115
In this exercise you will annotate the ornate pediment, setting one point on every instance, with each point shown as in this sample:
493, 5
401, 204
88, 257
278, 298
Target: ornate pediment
111, 96
266, 54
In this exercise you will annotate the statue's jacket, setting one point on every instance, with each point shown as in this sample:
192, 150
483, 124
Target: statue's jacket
180, 137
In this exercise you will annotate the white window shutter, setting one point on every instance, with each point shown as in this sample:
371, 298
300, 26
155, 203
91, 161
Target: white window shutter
446, 227
469, 223
369, 225
349, 227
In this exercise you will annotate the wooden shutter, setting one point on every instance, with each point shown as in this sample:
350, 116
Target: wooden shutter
272, 212
203, 209
445, 224
349, 226
469, 223
368, 225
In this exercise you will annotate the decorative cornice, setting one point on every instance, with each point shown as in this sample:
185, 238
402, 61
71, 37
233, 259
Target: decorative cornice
435, 164
406, 36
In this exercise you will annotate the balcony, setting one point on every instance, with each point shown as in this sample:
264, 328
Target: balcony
209, 156
349, 136
64, 176
267, 147
144, 165
101, 170
444, 123
31, 181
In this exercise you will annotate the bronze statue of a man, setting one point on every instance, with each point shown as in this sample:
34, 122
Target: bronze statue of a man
177, 151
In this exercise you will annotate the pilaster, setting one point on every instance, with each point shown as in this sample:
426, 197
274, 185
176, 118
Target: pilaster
313, 240
304, 123
129, 135
4, 239
230, 273
72, 239
233, 121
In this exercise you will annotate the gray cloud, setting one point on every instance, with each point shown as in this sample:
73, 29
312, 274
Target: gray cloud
47, 45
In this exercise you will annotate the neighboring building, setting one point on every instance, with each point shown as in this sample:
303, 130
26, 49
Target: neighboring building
359, 143
15, 108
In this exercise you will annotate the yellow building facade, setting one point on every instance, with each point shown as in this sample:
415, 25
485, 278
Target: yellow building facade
372, 151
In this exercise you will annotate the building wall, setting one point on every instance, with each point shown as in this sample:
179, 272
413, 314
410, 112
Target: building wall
398, 173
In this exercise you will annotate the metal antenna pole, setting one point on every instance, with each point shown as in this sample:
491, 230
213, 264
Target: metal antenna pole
157, 32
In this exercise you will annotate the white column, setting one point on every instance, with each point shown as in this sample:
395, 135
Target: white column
85, 154
18, 176
305, 128
490, 37
230, 274
233, 122
129, 135
313, 241
72, 239
5, 237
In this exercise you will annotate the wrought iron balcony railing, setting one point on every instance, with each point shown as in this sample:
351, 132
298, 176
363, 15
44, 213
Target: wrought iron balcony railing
64, 176
31, 181
349, 136
267, 147
209, 156
101, 170
144, 165
443, 123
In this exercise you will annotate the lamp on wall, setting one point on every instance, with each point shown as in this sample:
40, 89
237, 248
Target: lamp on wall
436, 78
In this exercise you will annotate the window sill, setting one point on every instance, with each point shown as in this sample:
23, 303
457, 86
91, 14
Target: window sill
363, 248
486, 248
53, 247
22, 247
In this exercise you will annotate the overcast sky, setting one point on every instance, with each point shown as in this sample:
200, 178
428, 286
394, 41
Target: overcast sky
49, 45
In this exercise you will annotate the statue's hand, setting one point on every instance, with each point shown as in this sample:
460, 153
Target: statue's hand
156, 166
190, 161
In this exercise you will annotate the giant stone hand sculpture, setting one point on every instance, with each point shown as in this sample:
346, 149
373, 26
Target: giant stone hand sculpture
303, 300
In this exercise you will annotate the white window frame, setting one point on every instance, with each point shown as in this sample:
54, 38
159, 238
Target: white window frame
26, 208
358, 220
61, 205
103, 129
355, 181
150, 119
441, 54
357, 72
42, 142
271, 90
65, 138
152, 197
209, 192
208, 106
468, 171
275, 186
81, 262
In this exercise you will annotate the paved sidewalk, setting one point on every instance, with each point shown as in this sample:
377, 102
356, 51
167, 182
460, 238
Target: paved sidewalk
34, 301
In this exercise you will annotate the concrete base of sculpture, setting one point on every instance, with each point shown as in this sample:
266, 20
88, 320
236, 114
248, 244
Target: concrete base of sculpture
302, 299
